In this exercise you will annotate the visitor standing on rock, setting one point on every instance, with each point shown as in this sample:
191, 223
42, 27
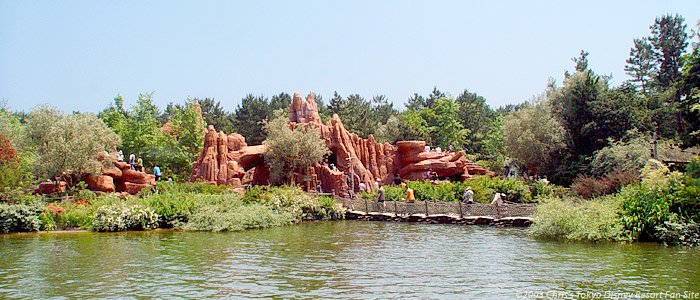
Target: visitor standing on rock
450, 148
132, 161
156, 172
139, 164
362, 186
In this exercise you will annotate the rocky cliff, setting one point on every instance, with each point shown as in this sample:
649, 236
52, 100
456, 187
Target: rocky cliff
227, 159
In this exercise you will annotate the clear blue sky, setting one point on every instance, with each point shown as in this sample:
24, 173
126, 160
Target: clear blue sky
77, 55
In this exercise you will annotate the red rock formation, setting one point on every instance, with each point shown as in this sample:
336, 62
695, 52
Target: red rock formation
102, 183
229, 160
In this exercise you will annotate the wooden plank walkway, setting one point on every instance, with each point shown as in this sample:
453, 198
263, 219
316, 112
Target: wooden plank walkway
439, 212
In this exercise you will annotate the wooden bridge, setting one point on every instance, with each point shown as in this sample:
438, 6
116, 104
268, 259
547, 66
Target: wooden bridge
510, 214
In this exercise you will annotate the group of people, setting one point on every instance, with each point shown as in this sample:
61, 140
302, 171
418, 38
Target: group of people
136, 164
468, 197
438, 150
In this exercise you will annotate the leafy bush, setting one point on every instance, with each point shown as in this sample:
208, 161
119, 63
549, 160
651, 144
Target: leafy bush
173, 209
218, 218
589, 187
122, 217
75, 216
20, 217
684, 233
589, 220
192, 187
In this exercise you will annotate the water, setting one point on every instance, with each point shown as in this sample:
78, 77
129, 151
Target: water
337, 260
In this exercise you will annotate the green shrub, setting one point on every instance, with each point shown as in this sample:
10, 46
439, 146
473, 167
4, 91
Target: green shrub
643, 209
679, 233
120, 217
217, 218
75, 216
394, 193
173, 208
589, 220
19, 217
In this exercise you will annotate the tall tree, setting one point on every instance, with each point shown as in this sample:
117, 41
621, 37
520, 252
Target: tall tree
249, 116
669, 40
574, 105
215, 115
476, 116
581, 61
641, 65
534, 136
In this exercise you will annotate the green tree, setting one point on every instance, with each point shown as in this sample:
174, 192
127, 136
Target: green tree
690, 88
447, 127
215, 115
67, 142
574, 105
477, 117
641, 65
355, 112
669, 40
291, 150
534, 136
249, 116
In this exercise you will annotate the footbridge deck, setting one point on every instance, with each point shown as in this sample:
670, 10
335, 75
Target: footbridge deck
510, 214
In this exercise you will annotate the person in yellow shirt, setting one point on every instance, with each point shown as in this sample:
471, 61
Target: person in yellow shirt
410, 200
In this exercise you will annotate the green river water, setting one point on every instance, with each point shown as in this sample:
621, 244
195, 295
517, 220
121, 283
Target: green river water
340, 260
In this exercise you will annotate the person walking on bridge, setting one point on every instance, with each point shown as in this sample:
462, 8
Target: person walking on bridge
381, 197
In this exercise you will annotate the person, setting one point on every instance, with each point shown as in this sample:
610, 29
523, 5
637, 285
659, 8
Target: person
438, 150
468, 196
139, 164
376, 184
433, 176
427, 173
450, 148
544, 180
362, 186
381, 197
132, 161
497, 199
427, 148
410, 200
156, 172
397, 179
333, 168
318, 187
120, 155
506, 168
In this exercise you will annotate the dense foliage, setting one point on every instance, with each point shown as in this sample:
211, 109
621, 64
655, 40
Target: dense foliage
188, 206
664, 206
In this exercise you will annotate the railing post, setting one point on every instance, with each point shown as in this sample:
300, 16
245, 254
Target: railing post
366, 207
498, 212
461, 215
395, 209
426, 207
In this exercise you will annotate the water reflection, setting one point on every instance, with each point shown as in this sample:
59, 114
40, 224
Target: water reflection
341, 260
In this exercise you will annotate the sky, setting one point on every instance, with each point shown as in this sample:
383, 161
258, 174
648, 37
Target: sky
79, 55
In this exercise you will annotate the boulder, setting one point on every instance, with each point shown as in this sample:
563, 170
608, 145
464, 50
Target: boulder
132, 176
51, 187
133, 188
114, 172
122, 165
102, 183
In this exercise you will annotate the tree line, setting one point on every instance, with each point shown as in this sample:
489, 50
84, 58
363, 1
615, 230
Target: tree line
568, 130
